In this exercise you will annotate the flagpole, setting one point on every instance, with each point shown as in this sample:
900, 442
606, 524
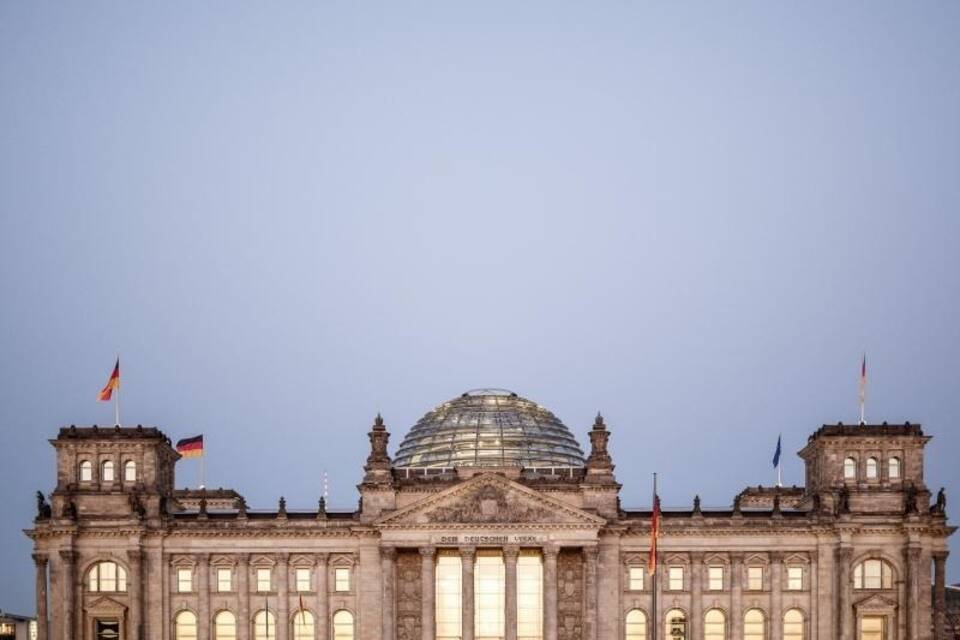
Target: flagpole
656, 574
863, 389
203, 455
779, 478
116, 407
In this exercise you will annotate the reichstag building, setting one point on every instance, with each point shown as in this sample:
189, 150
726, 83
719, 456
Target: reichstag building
490, 523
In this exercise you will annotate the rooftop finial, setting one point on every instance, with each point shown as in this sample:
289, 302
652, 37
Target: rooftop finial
598, 422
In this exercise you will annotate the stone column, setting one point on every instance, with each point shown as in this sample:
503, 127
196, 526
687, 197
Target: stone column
776, 595
550, 553
696, 595
40, 560
203, 596
135, 585
510, 554
939, 595
812, 587
590, 592
243, 595
913, 592
68, 559
468, 556
283, 596
609, 589
736, 595
388, 559
323, 607
428, 592
844, 606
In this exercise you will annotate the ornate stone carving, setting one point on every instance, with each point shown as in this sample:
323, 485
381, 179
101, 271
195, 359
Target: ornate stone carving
489, 503
43, 508
570, 595
409, 597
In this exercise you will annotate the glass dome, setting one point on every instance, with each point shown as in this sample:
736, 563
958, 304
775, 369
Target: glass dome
489, 428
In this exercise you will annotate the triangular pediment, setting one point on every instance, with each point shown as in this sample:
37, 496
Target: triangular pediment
106, 605
875, 602
490, 499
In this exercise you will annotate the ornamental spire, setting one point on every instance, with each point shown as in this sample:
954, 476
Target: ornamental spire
378, 462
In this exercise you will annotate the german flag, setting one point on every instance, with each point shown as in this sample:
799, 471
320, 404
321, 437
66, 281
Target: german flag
112, 383
191, 447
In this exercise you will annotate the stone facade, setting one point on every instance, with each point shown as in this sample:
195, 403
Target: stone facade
778, 555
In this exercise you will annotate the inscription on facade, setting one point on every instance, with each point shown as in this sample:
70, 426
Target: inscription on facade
489, 539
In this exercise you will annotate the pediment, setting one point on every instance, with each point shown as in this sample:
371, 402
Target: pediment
875, 602
490, 499
106, 605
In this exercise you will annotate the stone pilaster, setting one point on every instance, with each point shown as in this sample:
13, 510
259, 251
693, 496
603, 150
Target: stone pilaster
323, 607
135, 587
468, 556
912, 554
40, 561
243, 596
550, 553
939, 595
844, 593
776, 596
388, 561
428, 613
283, 596
68, 560
736, 595
696, 595
824, 602
590, 592
812, 587
609, 588
510, 554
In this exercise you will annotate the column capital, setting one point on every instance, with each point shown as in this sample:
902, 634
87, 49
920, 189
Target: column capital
776, 557
388, 553
590, 554
912, 553
941, 555
40, 559
135, 556
282, 558
69, 555
322, 558
468, 552
428, 551
736, 559
511, 552
551, 550
844, 554
243, 559
696, 557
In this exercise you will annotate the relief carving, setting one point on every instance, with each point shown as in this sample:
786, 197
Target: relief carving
489, 503
409, 596
570, 595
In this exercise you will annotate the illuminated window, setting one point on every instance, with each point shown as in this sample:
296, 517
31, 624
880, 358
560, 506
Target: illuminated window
303, 626
714, 625
7, 629
871, 468
873, 628
635, 575
341, 579
489, 580
636, 625
264, 625
130, 471
850, 469
715, 578
224, 580
754, 626
872, 574
448, 596
676, 625
755, 578
264, 583
185, 626
184, 580
530, 596
675, 579
793, 625
794, 578
107, 576
343, 625
303, 579
225, 626
894, 468
106, 471
86, 471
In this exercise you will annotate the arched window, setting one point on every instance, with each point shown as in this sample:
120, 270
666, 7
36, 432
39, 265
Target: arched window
343, 625
676, 625
753, 625
893, 467
714, 625
871, 468
225, 626
793, 625
86, 471
873, 574
636, 625
264, 625
850, 469
303, 626
107, 576
185, 626
106, 471
130, 471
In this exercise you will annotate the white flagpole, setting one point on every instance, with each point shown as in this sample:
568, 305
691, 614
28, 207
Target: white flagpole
779, 478
863, 389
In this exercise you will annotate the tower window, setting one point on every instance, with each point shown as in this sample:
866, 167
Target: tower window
107, 576
871, 468
850, 469
106, 471
894, 468
872, 574
130, 471
86, 471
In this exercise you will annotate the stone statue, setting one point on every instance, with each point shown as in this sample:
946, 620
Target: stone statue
282, 512
70, 510
776, 503
910, 505
203, 503
736, 504
843, 502
242, 507
136, 506
43, 508
696, 504
816, 503
941, 505
322, 508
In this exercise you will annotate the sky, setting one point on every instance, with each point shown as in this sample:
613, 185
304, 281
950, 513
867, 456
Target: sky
286, 217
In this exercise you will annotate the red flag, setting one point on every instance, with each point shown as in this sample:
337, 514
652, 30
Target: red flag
112, 383
654, 534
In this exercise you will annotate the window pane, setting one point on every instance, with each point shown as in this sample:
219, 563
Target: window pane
303, 579
121, 578
872, 628
341, 579
186, 626
263, 580
108, 576
871, 468
714, 625
753, 625
224, 580
225, 626
850, 469
264, 625
303, 626
755, 578
715, 578
636, 625
793, 625
489, 593
894, 468
448, 596
676, 625
530, 596
86, 471
107, 473
636, 578
675, 579
184, 580
343, 625
130, 471
794, 578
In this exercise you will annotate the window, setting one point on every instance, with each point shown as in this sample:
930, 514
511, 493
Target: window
303, 579
793, 625
186, 626
263, 580
714, 625
107, 576
636, 625
303, 626
225, 626
224, 580
753, 625
635, 578
530, 596
675, 579
184, 580
850, 469
106, 471
448, 596
341, 579
794, 578
873, 628
343, 625
755, 578
715, 578
676, 625
264, 625
872, 574
130, 471
893, 467
86, 471
871, 468
489, 580
109, 629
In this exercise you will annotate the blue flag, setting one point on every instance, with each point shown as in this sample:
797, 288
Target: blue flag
776, 454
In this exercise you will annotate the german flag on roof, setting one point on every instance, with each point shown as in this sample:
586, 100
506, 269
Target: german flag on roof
191, 447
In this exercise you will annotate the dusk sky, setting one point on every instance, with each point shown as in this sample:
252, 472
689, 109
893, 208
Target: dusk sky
287, 217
